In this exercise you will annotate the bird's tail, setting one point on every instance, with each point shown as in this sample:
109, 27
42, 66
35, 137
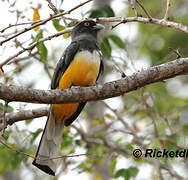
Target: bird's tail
49, 146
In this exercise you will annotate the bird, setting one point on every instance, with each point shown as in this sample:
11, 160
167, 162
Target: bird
80, 65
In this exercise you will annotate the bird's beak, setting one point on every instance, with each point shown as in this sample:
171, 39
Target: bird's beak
98, 27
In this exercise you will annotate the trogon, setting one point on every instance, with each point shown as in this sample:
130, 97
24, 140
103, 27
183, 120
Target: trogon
80, 65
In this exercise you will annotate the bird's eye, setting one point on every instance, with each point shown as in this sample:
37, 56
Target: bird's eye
86, 24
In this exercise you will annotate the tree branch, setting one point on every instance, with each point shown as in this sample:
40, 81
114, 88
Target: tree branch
44, 22
160, 22
112, 89
26, 115
32, 46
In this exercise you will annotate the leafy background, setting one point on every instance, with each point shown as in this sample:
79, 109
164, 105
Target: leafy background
108, 131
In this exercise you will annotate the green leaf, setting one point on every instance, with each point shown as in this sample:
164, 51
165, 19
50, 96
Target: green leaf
121, 173
133, 171
78, 142
28, 121
117, 41
1, 107
126, 173
10, 159
61, 10
35, 135
43, 51
71, 24
56, 24
96, 13
39, 35
7, 134
119, 140
112, 166
85, 167
105, 47
129, 147
67, 140
59, 27
9, 108
103, 11
108, 10
185, 129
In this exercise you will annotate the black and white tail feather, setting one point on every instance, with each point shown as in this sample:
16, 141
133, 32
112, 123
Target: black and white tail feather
48, 147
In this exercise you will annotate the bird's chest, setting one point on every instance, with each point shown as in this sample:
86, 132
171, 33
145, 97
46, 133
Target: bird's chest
84, 69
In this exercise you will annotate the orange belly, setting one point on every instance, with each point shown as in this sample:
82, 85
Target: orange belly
82, 71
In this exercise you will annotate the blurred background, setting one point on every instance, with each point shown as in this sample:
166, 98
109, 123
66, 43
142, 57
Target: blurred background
108, 131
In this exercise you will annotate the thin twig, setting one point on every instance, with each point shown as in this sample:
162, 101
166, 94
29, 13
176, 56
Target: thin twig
112, 148
118, 68
144, 9
17, 60
167, 9
101, 141
52, 6
171, 171
125, 124
176, 51
133, 6
15, 150
68, 156
18, 24
159, 170
71, 19
44, 22
45, 159
29, 48
121, 22
45, 66
137, 139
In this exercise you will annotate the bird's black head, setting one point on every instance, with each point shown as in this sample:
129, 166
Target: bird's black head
86, 27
